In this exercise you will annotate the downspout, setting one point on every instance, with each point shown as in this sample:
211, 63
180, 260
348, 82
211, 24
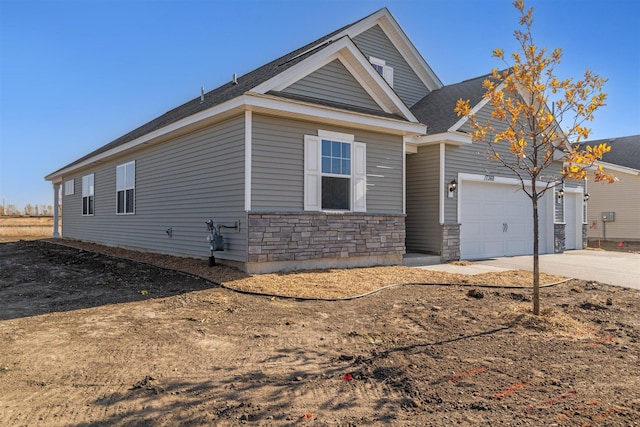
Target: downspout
404, 177
248, 125
56, 202
441, 185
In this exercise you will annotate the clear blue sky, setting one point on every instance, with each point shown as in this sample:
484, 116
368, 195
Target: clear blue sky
76, 74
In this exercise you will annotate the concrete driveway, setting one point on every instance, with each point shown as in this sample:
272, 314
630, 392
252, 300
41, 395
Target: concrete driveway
614, 268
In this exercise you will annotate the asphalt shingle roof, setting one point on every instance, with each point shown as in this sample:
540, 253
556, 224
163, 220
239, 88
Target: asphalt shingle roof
625, 151
221, 94
436, 109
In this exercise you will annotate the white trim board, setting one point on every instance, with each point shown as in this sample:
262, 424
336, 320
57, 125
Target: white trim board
257, 103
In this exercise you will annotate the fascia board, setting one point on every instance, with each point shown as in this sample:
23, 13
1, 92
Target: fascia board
616, 168
253, 102
409, 52
151, 136
400, 40
451, 138
355, 62
309, 111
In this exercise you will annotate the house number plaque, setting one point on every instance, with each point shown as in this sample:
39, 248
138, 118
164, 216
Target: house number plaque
489, 177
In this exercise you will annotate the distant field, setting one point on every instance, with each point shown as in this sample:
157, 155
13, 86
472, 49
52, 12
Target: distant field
14, 228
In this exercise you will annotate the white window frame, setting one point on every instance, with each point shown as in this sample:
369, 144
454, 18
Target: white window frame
125, 182
313, 171
69, 187
88, 193
387, 71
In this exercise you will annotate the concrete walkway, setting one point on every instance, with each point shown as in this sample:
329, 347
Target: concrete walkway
614, 268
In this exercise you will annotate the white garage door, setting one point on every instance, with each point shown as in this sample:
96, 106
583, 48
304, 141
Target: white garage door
497, 220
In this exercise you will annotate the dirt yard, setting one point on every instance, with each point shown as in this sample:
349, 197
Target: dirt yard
87, 339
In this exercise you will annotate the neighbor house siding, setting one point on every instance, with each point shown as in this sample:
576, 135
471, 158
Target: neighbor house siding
179, 185
333, 82
278, 157
623, 198
374, 42
423, 178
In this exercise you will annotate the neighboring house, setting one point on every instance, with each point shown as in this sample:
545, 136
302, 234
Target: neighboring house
304, 162
613, 210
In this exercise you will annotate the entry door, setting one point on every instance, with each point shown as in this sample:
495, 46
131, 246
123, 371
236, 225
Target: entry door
497, 220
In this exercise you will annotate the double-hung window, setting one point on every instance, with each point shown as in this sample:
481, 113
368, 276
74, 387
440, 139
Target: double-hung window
126, 188
87, 194
335, 173
383, 69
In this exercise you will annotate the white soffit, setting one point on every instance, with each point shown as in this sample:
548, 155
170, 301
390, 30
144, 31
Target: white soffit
256, 102
451, 138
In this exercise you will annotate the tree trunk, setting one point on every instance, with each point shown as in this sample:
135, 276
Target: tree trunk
536, 263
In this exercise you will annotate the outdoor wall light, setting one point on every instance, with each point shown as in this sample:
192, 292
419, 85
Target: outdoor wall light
586, 197
453, 185
560, 194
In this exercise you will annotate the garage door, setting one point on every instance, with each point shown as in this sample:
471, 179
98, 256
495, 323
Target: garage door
497, 220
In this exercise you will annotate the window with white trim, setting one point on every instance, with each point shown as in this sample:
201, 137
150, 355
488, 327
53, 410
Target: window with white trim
383, 69
88, 194
126, 188
335, 173
69, 187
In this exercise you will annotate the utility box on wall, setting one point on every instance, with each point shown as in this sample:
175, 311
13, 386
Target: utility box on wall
608, 216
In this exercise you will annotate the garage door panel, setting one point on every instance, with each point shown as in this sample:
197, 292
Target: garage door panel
496, 220
491, 248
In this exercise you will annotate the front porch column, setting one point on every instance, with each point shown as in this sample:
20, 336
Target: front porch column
56, 201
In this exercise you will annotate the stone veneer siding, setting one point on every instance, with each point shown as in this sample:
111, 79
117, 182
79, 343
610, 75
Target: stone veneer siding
450, 238
585, 242
559, 244
314, 235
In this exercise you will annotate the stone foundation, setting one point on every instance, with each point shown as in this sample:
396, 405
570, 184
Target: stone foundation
450, 238
287, 241
559, 244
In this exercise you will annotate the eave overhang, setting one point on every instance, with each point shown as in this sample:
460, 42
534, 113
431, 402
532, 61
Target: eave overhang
451, 138
259, 103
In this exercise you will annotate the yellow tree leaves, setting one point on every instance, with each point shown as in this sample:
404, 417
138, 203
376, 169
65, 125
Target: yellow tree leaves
537, 113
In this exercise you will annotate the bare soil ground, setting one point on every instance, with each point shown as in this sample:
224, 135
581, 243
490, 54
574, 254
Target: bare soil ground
87, 339
617, 246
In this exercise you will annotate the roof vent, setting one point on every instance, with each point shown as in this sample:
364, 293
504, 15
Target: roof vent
201, 94
235, 79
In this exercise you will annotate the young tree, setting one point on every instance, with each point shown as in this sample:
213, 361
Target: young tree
529, 106
28, 209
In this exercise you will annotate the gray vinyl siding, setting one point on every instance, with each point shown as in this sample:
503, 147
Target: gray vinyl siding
374, 42
180, 184
476, 159
333, 82
277, 181
423, 222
